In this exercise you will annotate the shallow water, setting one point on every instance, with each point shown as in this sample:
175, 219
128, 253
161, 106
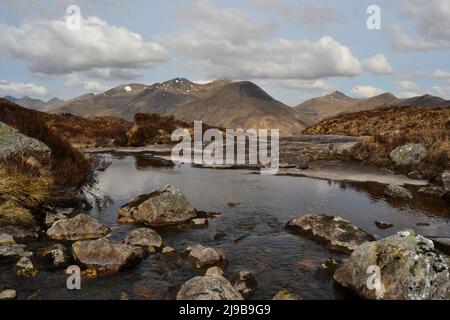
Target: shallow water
252, 234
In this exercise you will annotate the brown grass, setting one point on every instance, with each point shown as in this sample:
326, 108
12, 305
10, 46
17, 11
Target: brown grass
387, 129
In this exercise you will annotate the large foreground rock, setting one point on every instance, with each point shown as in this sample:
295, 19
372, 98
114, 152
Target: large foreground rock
166, 206
105, 256
13, 142
145, 238
209, 287
205, 257
82, 227
410, 269
408, 155
336, 233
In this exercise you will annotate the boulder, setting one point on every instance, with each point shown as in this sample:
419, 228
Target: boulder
214, 272
59, 214
204, 257
105, 256
436, 192
408, 155
208, 288
166, 206
6, 239
54, 256
383, 225
399, 192
410, 269
336, 233
245, 283
13, 142
143, 237
81, 227
167, 250
13, 253
446, 180
8, 294
26, 268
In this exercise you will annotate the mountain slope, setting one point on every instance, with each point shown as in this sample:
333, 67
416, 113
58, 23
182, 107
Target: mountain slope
243, 105
34, 104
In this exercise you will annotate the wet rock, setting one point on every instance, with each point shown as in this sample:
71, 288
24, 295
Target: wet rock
105, 256
144, 237
399, 192
232, 204
8, 294
408, 155
416, 175
20, 234
58, 214
446, 180
167, 250
410, 268
13, 253
199, 222
208, 288
26, 268
6, 239
245, 283
383, 225
433, 192
54, 256
82, 227
336, 233
442, 244
205, 257
214, 272
166, 206
328, 267
422, 224
286, 295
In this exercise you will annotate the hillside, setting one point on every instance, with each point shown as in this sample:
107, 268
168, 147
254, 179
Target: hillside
338, 103
391, 127
243, 105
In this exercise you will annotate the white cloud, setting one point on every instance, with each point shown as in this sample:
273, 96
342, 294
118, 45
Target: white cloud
408, 85
432, 26
303, 85
378, 65
18, 89
366, 91
440, 74
74, 81
230, 45
49, 47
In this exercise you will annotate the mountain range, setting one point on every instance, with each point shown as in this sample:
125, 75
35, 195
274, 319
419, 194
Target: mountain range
35, 104
337, 103
221, 103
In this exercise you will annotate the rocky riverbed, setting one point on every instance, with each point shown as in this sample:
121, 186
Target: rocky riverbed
283, 237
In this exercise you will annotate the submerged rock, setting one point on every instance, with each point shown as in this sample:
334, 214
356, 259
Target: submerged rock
408, 155
336, 233
105, 256
82, 227
205, 257
167, 250
396, 191
433, 192
383, 225
166, 206
143, 237
245, 283
200, 222
410, 269
208, 288
286, 295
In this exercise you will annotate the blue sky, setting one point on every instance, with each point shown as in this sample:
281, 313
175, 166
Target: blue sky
294, 49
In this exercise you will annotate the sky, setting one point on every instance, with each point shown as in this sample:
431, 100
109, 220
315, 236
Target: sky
293, 49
